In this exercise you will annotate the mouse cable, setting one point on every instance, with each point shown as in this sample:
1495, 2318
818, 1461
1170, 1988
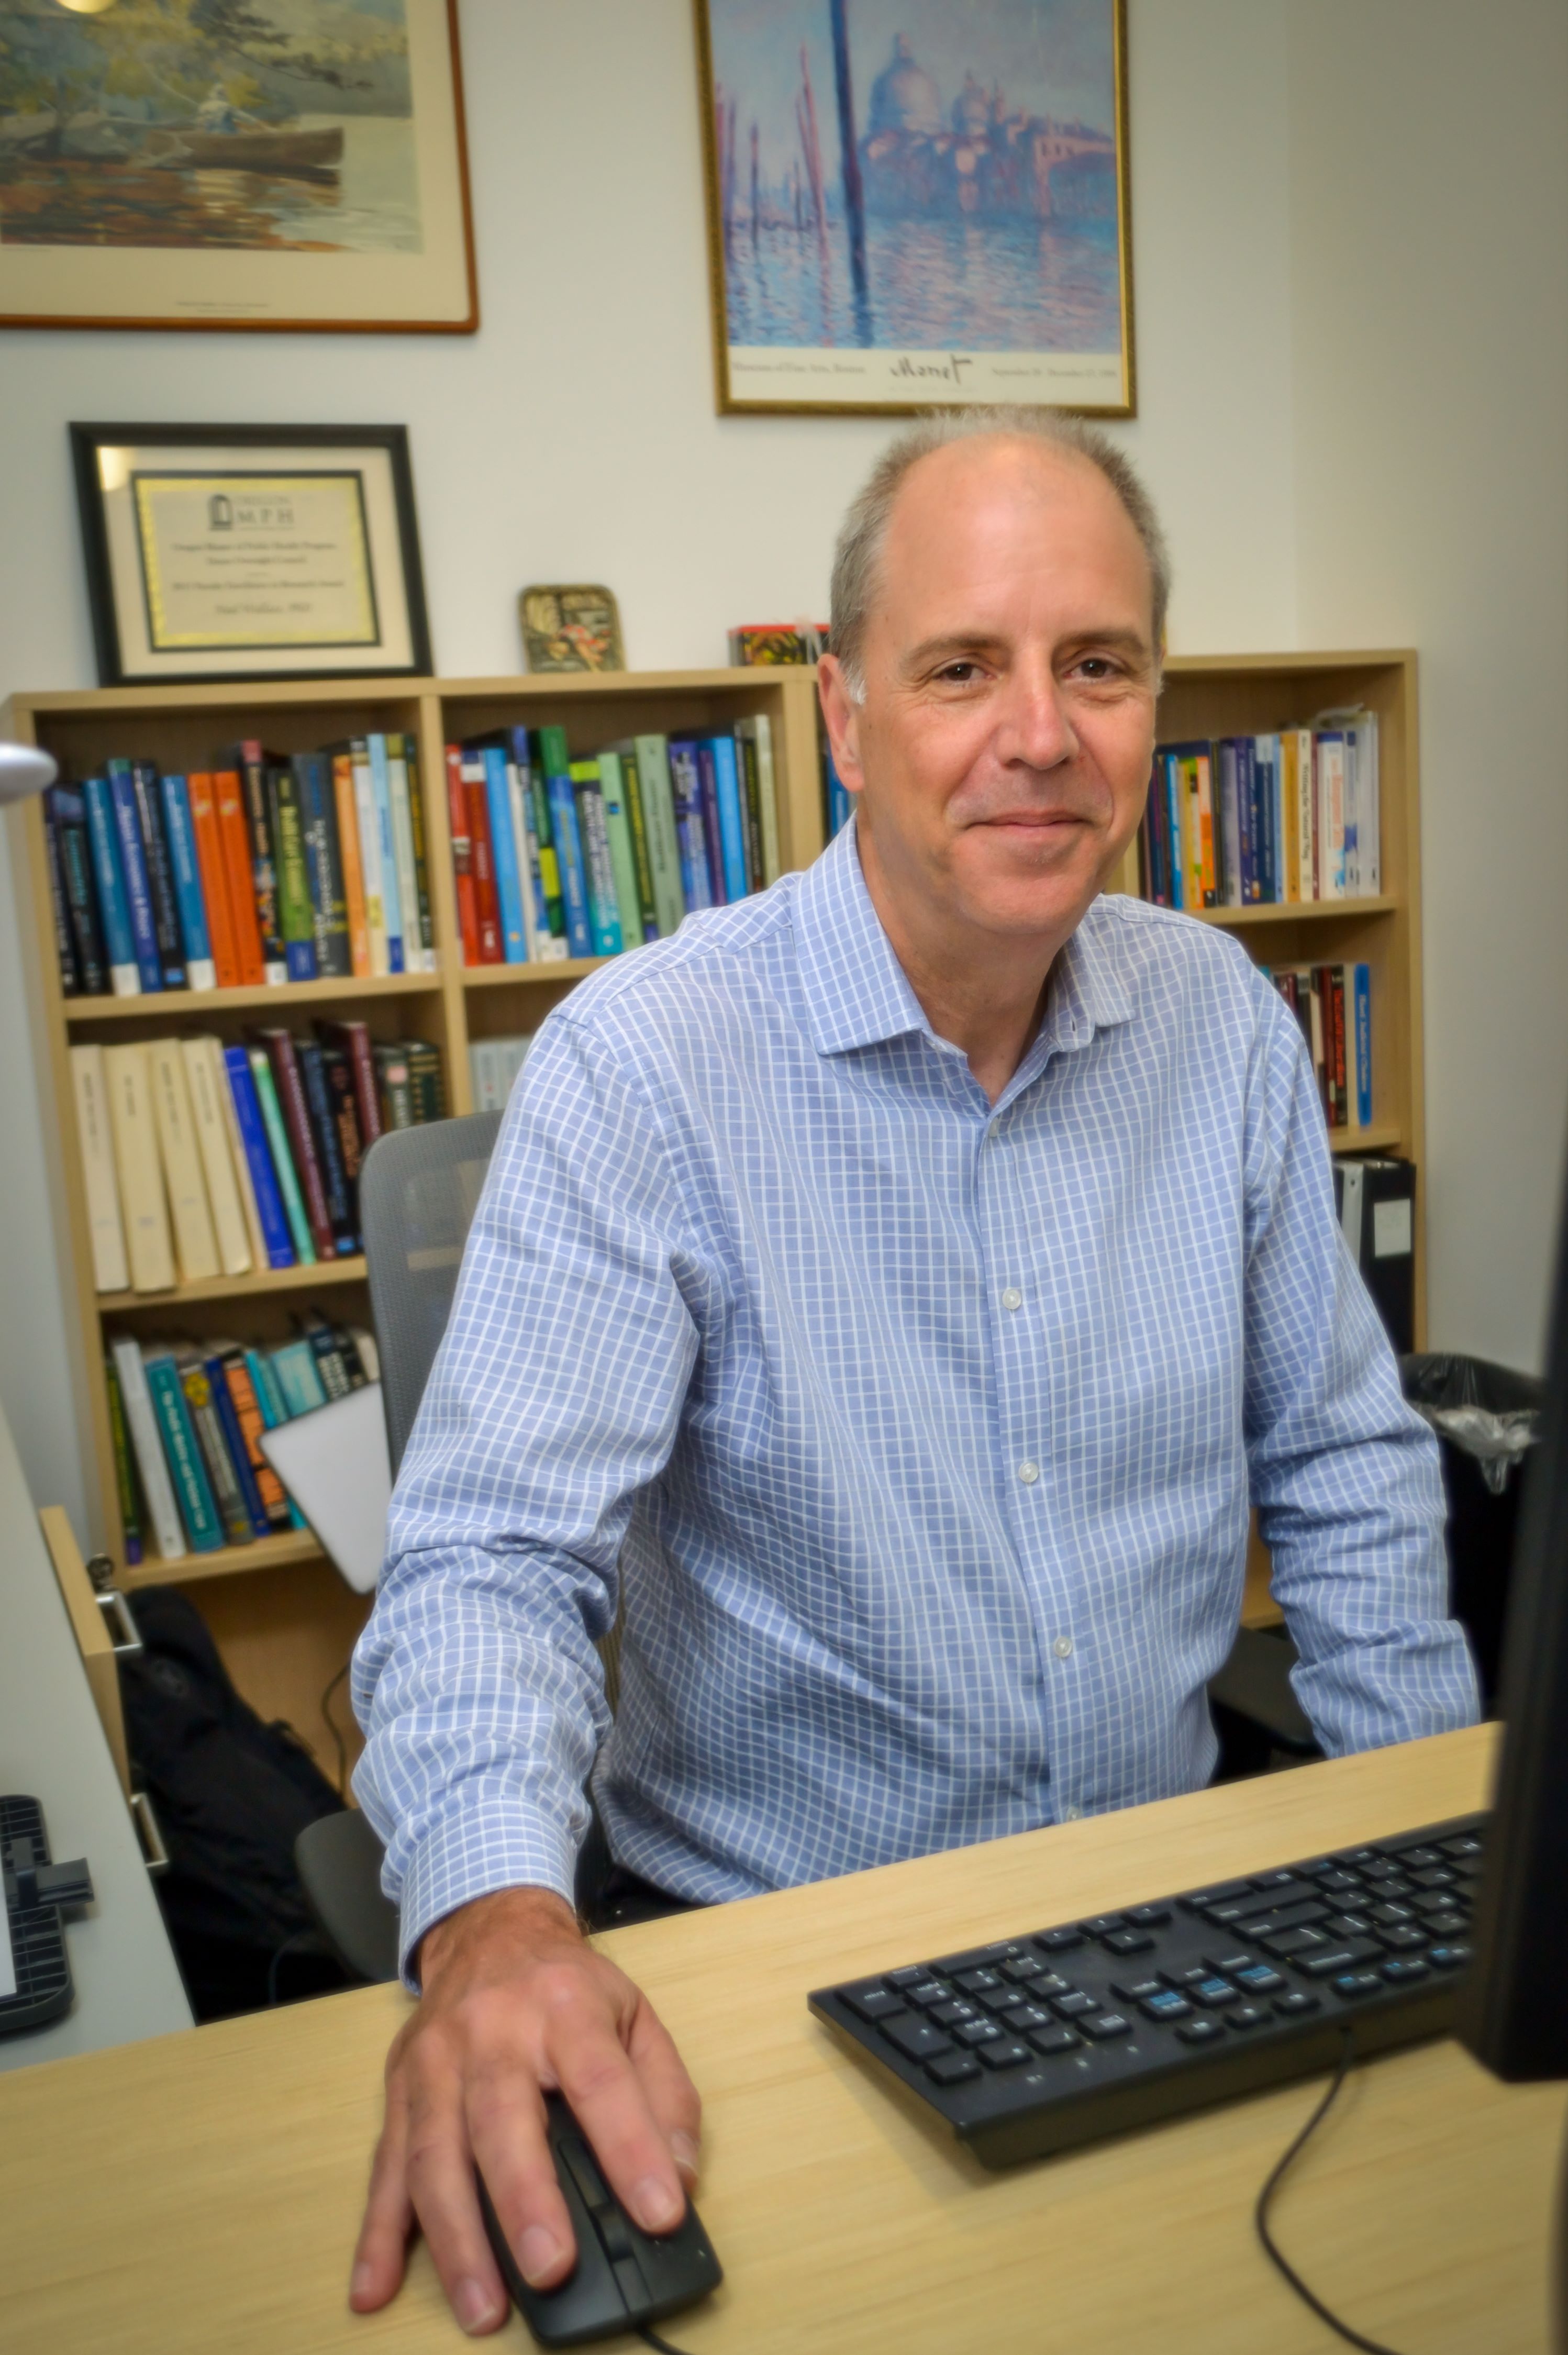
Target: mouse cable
1260, 2213
647, 2331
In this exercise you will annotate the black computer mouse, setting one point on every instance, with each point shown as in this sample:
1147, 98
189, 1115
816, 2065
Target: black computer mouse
623, 2276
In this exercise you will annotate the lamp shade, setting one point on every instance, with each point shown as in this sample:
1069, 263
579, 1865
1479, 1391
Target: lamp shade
25, 770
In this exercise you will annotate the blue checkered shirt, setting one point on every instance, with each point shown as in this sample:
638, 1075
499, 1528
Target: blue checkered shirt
915, 1436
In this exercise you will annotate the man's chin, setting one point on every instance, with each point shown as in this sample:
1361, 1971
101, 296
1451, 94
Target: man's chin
1019, 896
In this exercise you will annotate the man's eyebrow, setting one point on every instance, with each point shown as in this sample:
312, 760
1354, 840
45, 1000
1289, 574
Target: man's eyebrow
959, 642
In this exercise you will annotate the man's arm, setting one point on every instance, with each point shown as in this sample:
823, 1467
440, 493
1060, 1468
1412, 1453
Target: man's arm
1345, 1475
556, 1395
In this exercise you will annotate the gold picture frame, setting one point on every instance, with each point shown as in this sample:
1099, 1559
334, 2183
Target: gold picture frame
878, 266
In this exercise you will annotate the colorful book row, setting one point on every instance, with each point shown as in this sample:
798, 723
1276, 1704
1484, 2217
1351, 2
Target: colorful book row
272, 868
1333, 1004
555, 857
186, 1421
202, 1160
1265, 820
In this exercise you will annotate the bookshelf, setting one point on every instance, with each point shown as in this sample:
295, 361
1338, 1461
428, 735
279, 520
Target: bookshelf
282, 1618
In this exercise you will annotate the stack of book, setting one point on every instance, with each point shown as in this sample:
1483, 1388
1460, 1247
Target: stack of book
267, 869
187, 1419
203, 1160
1333, 1004
555, 857
1264, 820
494, 1064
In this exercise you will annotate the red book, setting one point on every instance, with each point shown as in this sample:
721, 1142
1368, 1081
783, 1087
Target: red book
354, 1040
481, 862
214, 882
292, 1102
234, 832
462, 861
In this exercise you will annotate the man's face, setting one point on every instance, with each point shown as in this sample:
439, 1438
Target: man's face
1002, 752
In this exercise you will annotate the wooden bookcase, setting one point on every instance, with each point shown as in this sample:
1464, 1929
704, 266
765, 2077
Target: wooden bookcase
282, 1617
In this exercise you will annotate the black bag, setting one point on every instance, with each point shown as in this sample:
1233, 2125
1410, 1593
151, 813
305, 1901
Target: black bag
230, 1795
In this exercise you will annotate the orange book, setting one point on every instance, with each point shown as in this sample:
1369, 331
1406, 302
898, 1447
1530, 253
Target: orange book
214, 884
352, 875
234, 832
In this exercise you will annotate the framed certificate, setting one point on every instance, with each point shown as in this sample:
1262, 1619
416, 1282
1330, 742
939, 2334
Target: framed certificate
251, 552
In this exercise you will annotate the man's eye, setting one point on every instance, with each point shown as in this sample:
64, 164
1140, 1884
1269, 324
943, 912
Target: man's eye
959, 674
1095, 667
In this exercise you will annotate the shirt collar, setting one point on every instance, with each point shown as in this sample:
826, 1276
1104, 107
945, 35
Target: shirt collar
858, 994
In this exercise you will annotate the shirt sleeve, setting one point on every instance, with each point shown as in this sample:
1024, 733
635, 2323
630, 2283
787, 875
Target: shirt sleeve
555, 1396
1345, 1475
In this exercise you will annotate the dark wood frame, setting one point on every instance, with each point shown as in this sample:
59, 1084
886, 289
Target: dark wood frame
467, 325
87, 440
728, 406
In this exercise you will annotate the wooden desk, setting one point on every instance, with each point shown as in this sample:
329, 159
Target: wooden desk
201, 2192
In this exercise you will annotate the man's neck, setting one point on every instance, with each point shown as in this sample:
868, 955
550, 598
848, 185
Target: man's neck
982, 991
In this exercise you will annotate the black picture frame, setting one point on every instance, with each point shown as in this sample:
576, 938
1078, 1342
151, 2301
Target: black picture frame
89, 439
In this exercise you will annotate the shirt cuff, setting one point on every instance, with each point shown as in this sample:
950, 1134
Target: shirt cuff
473, 1852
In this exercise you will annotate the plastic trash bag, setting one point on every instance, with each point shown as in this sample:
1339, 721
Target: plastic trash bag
1485, 1410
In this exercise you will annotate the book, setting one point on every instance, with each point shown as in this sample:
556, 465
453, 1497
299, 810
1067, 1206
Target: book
604, 914
323, 866
331, 1369
212, 1445
530, 887
185, 875
1358, 1045
248, 762
727, 798
148, 1244
133, 870
298, 1378
100, 1185
322, 1115
163, 1525
160, 872
553, 931
625, 753
494, 1064
240, 895
344, 807
686, 788
214, 879
712, 824
255, 1157
397, 1094
251, 1422
235, 1449
767, 778
353, 1040
83, 957
205, 1085
421, 855
113, 901
132, 1519
424, 1081
337, 1076
566, 837
664, 847
486, 899
751, 786
392, 900
504, 852
288, 1082
622, 858
838, 804
195, 1245
65, 951
398, 802
462, 856
1329, 758
296, 913
204, 1532
367, 837
288, 1184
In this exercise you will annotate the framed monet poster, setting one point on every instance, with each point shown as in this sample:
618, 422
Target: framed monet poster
915, 206
251, 552
234, 164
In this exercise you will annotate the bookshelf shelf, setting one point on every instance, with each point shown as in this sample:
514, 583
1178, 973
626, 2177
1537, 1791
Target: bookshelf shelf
488, 977
1381, 1137
1299, 911
235, 1287
228, 1562
187, 1005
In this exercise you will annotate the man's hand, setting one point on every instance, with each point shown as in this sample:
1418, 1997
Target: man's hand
516, 2003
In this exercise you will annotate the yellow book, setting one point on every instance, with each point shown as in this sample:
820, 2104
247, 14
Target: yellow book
111, 1270
146, 1219
194, 1242
1290, 790
205, 1080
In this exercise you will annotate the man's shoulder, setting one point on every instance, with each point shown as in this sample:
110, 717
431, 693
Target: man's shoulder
1139, 940
717, 958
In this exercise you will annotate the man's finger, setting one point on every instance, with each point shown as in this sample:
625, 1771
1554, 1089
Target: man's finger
440, 2170
507, 2135
673, 2098
614, 2112
381, 2252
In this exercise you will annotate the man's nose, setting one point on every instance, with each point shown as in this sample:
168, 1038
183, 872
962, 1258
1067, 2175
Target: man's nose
1036, 730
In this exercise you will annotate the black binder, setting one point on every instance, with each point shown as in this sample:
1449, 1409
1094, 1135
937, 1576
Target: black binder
1376, 1202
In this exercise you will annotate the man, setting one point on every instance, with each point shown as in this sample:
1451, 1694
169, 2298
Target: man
893, 1288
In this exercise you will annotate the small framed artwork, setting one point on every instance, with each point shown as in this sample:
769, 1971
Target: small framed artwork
251, 552
572, 626
912, 205
255, 165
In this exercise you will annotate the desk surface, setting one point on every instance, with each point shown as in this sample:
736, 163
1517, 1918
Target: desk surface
52, 1746
203, 2191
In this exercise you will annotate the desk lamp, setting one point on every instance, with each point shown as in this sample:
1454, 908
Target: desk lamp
25, 770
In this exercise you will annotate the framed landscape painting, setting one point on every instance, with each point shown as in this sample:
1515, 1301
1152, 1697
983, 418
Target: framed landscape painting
257, 163
917, 204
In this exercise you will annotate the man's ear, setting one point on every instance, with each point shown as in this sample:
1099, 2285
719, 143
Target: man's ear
841, 717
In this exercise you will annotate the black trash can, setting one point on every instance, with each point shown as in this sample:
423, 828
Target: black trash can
1483, 1474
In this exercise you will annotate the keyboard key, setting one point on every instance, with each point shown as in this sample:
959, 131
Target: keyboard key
1247, 2015
1137, 1990
875, 2003
1290, 1944
1165, 2005
1343, 1884
1258, 1979
1200, 2031
1213, 1994
1022, 2016
916, 2039
953, 2068
1401, 1935
1279, 1880
999, 1999
1006, 2055
1406, 1968
1447, 1926
1288, 1917
1023, 1968
1184, 1979
1414, 1858
1202, 1899
929, 1997
916, 1974
1386, 1915
1297, 2004
1149, 1917
1049, 2040
954, 2014
1287, 1890
978, 2031
1129, 1942
1058, 1942
1227, 1965
1461, 1844
1451, 1957
1108, 2024
1354, 1984
1441, 1876
1102, 1925
1051, 1982
1348, 1925
1076, 2006
1346, 1956
978, 1982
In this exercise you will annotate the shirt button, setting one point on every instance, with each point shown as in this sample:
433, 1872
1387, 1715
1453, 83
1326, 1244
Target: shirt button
1029, 1473
1012, 1297
1071, 1815
1062, 1647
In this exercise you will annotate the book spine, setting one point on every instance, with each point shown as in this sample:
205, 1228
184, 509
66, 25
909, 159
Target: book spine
160, 873
1290, 810
222, 1478
1246, 815
403, 852
269, 1390
331, 1371
1341, 1095
283, 1164
391, 900
424, 1081
686, 786
1372, 807
337, 1073
204, 1088
134, 868
323, 867
603, 916
368, 827
251, 771
113, 902
194, 1242
210, 860
731, 819
89, 961
421, 854
642, 859
296, 916
148, 1244
353, 872
125, 1486
504, 851
290, 1088
767, 783
236, 1455
1360, 989
354, 1040
1264, 787
838, 807
251, 1129
323, 1120
1278, 819
712, 823
553, 940
544, 917
249, 1422
110, 1269
294, 1365
234, 884
751, 800
622, 859
185, 875
664, 844
1207, 871
397, 1094
65, 945
462, 856
569, 861
199, 1514
486, 899
163, 1524
530, 894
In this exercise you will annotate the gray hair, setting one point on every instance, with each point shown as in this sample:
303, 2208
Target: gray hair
858, 553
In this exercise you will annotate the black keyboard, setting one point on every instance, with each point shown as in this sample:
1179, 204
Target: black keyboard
1058, 2038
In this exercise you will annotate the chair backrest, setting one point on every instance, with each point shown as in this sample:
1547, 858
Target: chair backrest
418, 1191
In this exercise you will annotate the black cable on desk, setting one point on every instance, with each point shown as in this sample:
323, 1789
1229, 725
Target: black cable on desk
1260, 2214
663, 2345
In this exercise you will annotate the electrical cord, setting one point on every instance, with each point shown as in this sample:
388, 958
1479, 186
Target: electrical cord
1260, 2213
653, 2339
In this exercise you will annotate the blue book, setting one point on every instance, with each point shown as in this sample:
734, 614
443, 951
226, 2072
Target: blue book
686, 793
1176, 821
294, 1368
160, 872
708, 801
503, 856
133, 869
731, 818
569, 859
1263, 818
391, 905
1360, 978
239, 1454
203, 1529
124, 974
840, 806
200, 971
270, 1398
257, 1157
533, 880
